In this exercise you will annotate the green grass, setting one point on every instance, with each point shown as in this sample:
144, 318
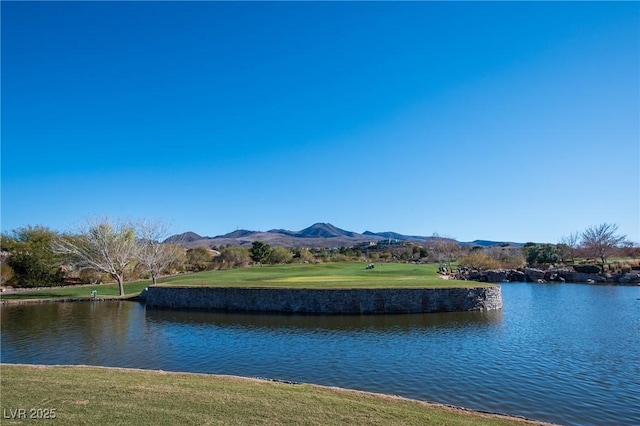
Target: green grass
323, 275
95, 395
103, 290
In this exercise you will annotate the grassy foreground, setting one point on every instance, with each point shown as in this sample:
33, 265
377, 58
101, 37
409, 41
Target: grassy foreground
96, 395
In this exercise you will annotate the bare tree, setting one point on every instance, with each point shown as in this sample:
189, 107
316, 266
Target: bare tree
568, 245
155, 255
601, 240
444, 248
101, 245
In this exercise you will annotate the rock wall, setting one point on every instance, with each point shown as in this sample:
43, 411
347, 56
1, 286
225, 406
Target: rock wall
326, 301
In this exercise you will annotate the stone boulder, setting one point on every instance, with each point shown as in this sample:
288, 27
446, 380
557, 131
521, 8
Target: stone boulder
580, 277
496, 275
631, 278
534, 275
516, 276
559, 275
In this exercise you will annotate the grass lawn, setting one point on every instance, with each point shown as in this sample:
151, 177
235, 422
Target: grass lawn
95, 395
103, 290
322, 275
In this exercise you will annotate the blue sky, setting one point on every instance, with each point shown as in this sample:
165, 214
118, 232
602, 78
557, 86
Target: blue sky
489, 120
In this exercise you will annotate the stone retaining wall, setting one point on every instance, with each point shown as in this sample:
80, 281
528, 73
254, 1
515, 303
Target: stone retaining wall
326, 301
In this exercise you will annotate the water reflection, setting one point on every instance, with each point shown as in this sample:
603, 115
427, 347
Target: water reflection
361, 323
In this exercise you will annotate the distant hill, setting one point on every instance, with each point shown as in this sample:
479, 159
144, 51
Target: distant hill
185, 238
485, 243
325, 230
317, 235
239, 233
396, 236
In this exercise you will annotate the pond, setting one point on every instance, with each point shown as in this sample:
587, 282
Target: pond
563, 353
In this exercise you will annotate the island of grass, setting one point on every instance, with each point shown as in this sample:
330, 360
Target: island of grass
331, 288
97, 395
346, 276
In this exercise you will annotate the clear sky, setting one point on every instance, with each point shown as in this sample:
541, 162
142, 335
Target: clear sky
489, 120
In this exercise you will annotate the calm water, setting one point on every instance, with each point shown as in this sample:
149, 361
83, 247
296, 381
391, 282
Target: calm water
568, 354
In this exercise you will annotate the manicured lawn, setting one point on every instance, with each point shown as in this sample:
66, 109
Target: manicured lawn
322, 275
94, 395
103, 290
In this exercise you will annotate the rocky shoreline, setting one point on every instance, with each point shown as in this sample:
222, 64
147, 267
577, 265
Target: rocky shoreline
551, 275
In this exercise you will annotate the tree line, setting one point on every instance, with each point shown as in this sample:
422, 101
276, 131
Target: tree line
594, 247
102, 249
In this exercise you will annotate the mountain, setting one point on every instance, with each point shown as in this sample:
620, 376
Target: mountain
317, 235
239, 233
325, 230
184, 238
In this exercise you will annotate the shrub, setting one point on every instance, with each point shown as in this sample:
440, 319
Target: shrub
280, 255
6, 274
478, 261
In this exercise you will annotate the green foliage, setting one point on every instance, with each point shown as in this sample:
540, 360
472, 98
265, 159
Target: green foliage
541, 254
303, 255
235, 256
259, 252
419, 252
280, 255
31, 258
199, 259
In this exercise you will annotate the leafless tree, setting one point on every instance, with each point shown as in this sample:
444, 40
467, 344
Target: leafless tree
152, 252
444, 248
101, 245
601, 240
569, 243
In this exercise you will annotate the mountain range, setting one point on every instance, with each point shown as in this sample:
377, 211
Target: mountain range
317, 235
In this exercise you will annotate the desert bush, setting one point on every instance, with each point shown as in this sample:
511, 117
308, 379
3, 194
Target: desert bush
6, 274
478, 261
199, 259
303, 255
279, 255
89, 276
235, 256
339, 257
